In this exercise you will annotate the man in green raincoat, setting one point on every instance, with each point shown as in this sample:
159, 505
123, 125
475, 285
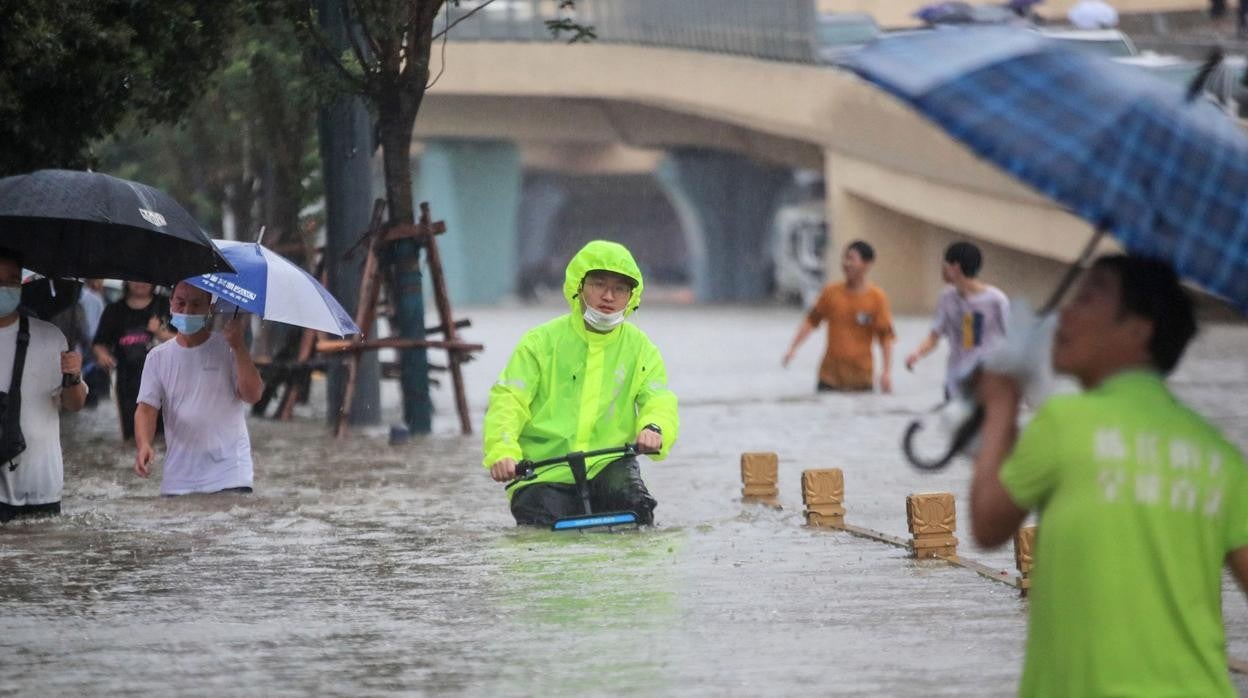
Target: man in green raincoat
583, 381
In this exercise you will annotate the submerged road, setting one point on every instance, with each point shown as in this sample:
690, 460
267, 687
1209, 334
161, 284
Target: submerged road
362, 568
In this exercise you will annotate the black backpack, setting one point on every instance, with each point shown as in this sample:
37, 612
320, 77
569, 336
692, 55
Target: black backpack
12, 443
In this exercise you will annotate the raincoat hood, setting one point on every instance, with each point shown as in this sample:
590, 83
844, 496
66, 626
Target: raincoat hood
606, 255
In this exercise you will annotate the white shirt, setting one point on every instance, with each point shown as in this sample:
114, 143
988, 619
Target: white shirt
208, 448
40, 472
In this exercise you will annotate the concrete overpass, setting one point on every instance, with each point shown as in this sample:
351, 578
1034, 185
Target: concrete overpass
731, 127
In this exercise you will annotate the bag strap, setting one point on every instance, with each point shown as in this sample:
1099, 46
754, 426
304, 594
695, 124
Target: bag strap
12, 415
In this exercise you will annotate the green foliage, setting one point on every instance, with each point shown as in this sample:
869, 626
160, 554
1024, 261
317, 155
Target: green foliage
568, 24
71, 71
579, 32
245, 147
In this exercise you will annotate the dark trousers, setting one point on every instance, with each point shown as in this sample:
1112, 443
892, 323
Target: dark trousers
98, 386
618, 487
128, 401
8, 512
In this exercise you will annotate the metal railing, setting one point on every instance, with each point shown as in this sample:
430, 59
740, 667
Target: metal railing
782, 30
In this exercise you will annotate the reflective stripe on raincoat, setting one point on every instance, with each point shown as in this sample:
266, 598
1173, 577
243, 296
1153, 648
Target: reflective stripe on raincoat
567, 388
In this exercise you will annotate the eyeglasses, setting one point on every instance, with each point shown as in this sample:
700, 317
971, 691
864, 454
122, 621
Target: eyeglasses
601, 286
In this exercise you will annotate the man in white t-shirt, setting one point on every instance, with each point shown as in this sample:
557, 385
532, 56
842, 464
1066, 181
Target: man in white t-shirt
970, 314
203, 383
31, 482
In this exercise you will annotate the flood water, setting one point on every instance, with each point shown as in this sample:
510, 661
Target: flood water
363, 568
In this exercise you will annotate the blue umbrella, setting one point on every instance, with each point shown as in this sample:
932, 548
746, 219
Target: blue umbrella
1166, 175
275, 288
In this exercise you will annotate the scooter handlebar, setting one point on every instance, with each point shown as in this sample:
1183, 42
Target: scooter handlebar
527, 469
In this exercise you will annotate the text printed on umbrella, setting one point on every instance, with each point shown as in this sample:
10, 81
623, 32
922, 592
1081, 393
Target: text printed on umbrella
230, 288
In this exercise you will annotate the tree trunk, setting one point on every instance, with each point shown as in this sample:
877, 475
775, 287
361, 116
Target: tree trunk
395, 123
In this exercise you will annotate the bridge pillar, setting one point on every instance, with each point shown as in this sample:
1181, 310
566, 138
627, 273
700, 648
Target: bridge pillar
727, 202
475, 187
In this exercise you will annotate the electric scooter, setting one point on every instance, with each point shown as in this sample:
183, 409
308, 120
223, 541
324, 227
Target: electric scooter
527, 470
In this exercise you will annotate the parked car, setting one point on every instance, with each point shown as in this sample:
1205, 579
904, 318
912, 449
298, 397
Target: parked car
1224, 86
799, 242
492, 19
1110, 43
840, 33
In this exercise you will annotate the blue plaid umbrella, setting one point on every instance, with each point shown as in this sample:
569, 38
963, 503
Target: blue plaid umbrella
1124, 150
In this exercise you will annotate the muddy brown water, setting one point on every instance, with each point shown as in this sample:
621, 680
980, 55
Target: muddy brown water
363, 568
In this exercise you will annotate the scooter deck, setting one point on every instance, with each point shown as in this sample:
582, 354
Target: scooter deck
609, 520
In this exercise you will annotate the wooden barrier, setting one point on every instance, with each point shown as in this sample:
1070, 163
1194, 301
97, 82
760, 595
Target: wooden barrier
823, 494
932, 521
760, 473
1024, 545
932, 518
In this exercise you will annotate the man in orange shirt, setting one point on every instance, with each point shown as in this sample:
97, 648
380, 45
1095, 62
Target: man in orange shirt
857, 313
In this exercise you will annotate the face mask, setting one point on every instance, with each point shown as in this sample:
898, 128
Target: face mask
10, 298
188, 324
603, 322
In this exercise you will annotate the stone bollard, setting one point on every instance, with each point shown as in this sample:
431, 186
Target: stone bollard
823, 493
933, 518
1024, 547
759, 474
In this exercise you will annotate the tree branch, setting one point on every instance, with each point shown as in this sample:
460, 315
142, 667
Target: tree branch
330, 54
349, 27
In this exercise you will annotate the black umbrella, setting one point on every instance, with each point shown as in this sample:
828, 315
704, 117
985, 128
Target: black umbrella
91, 225
45, 298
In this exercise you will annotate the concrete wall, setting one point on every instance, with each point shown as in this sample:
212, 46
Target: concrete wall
909, 251
892, 177
900, 13
910, 220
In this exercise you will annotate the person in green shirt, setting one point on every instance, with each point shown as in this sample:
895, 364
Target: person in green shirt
583, 381
1141, 502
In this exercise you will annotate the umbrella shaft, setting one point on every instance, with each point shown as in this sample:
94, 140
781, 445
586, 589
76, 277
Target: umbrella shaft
1073, 272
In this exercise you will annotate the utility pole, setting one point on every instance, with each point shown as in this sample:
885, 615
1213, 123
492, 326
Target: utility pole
345, 129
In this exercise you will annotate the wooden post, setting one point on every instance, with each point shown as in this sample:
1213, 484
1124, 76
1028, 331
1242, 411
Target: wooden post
1024, 549
455, 357
425, 232
307, 344
823, 493
759, 474
932, 518
307, 347
365, 312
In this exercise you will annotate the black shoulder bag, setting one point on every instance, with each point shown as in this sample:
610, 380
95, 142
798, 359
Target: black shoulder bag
12, 443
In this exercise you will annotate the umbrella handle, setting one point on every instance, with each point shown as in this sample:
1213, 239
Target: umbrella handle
962, 436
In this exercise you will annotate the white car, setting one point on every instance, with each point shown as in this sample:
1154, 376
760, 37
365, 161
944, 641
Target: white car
1223, 87
1110, 43
798, 244
840, 33
499, 19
